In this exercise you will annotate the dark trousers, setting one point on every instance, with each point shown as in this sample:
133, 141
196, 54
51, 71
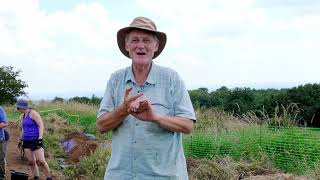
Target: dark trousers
2, 159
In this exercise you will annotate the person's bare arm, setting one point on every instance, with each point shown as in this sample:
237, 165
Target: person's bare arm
145, 112
111, 120
36, 117
175, 123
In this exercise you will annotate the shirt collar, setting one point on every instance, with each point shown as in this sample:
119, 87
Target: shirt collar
129, 76
151, 76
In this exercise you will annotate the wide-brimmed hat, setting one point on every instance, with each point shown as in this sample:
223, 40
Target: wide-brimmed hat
22, 104
145, 24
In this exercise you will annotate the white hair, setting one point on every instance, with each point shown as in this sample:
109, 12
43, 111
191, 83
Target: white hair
153, 34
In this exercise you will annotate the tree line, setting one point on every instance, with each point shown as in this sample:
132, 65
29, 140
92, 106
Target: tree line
243, 100
93, 100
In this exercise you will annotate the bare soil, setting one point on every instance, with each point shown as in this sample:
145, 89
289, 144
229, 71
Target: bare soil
84, 147
16, 162
14, 157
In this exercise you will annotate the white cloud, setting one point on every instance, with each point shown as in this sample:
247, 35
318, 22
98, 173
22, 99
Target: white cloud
237, 41
21, 27
210, 42
90, 22
303, 24
25, 28
202, 22
34, 41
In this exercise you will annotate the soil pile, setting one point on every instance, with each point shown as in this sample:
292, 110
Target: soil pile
77, 145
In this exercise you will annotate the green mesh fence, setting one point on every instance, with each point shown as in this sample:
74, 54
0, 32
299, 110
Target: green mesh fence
291, 149
71, 118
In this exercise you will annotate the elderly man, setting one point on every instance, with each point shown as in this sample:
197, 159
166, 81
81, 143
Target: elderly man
3, 124
147, 107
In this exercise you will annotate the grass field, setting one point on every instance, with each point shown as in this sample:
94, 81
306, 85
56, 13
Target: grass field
222, 146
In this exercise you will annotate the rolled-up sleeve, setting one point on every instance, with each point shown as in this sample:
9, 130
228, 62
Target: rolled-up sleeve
107, 104
181, 100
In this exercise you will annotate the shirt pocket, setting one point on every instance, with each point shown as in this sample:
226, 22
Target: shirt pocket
162, 109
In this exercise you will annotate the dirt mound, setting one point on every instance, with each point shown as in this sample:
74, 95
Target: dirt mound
77, 145
56, 124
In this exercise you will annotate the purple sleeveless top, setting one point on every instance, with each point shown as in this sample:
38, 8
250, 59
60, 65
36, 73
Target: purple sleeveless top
30, 128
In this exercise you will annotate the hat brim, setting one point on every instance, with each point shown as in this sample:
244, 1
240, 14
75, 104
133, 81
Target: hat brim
121, 35
22, 107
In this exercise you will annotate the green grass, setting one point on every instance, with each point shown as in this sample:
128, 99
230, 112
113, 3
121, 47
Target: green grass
225, 168
91, 167
13, 116
88, 123
290, 149
217, 135
234, 144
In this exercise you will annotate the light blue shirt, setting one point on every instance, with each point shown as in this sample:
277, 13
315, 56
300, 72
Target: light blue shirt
3, 119
142, 150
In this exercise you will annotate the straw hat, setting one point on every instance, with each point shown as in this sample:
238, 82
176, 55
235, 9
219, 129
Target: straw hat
145, 24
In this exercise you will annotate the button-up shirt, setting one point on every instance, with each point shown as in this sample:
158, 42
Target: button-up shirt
142, 150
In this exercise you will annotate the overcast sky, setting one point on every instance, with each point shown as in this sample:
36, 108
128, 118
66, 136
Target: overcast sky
68, 48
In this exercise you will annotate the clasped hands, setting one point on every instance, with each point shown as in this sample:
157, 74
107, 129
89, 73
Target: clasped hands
138, 106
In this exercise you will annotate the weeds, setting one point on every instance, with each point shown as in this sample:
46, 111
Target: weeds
226, 146
91, 167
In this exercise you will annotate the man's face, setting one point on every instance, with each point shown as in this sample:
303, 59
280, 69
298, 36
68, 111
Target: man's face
141, 46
